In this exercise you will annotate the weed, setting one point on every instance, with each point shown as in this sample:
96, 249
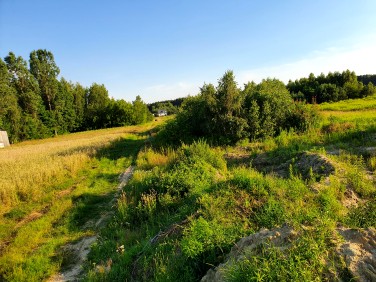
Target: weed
302, 261
363, 216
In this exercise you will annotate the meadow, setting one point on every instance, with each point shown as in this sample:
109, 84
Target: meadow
186, 207
49, 189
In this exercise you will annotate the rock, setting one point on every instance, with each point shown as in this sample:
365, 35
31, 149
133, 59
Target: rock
359, 252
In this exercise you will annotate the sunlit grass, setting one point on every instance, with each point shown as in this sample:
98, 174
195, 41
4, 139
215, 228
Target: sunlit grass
29, 169
351, 104
366, 115
51, 188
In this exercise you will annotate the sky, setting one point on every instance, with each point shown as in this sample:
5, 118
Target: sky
168, 49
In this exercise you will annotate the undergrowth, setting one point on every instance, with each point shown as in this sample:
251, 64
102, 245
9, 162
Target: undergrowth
184, 209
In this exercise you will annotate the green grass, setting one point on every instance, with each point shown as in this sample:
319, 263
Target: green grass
302, 261
198, 224
33, 250
351, 105
185, 208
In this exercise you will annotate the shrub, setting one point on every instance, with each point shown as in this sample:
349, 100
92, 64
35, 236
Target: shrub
225, 114
303, 117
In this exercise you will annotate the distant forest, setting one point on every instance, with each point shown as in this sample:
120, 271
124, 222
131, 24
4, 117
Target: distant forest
332, 87
367, 78
171, 106
35, 104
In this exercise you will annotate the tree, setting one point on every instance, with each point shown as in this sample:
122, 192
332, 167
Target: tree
270, 95
96, 102
141, 112
45, 70
10, 113
254, 120
21, 77
327, 92
119, 113
79, 104
64, 107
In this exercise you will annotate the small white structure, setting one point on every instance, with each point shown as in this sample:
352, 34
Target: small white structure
4, 141
161, 113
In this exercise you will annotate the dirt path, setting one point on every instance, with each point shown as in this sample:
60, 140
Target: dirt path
80, 250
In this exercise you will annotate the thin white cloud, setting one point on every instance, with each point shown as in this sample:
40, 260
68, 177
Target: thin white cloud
360, 58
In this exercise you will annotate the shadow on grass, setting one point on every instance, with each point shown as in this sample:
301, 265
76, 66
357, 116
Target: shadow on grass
122, 148
89, 206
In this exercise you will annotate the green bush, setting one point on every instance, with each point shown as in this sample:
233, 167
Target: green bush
226, 114
303, 117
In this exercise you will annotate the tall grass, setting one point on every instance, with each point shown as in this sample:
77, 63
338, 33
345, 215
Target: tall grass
52, 193
30, 169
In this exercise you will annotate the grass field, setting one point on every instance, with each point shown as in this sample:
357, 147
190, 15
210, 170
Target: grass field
361, 113
50, 188
351, 105
185, 208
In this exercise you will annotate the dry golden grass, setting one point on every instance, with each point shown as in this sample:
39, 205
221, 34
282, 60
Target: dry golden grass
30, 168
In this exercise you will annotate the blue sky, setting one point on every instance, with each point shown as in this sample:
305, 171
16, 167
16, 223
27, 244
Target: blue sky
168, 49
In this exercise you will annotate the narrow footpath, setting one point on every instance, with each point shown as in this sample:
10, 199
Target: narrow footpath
81, 249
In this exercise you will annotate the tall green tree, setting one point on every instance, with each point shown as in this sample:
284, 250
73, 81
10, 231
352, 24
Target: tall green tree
141, 112
29, 98
119, 113
229, 122
97, 100
64, 107
79, 105
10, 113
45, 70
21, 77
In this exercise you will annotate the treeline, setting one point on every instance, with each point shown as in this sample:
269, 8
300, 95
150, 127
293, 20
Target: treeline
171, 106
367, 78
332, 87
225, 114
34, 103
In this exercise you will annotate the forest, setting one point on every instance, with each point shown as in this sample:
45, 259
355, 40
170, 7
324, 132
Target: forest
35, 104
333, 87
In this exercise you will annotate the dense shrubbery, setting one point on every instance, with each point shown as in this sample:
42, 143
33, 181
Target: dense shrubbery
226, 114
35, 104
